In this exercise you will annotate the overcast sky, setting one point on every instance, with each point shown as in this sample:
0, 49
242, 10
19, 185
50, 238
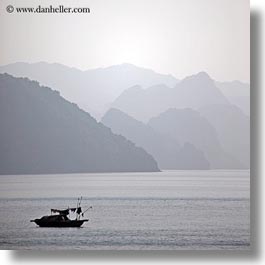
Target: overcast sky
179, 37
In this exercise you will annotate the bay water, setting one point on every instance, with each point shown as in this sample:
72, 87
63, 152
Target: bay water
166, 210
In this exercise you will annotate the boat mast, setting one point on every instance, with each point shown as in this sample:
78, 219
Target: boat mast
78, 206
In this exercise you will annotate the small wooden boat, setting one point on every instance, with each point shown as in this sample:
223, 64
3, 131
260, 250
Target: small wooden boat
58, 221
61, 218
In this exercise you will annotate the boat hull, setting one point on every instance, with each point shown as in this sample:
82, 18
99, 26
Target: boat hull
67, 223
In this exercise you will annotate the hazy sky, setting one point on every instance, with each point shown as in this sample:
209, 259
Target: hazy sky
180, 37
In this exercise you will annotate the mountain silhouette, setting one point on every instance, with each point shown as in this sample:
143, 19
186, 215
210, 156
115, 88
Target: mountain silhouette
233, 129
193, 92
93, 90
238, 94
167, 151
42, 133
143, 94
187, 125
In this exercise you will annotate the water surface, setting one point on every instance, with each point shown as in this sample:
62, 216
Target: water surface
165, 210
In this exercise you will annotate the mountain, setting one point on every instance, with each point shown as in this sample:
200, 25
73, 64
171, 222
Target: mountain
193, 92
238, 94
93, 90
42, 133
233, 129
187, 125
167, 152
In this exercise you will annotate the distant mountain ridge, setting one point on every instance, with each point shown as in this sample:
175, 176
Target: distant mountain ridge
93, 90
238, 93
167, 151
140, 95
201, 94
42, 133
193, 92
189, 126
233, 130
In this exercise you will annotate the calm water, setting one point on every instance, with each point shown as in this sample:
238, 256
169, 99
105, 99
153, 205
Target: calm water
166, 210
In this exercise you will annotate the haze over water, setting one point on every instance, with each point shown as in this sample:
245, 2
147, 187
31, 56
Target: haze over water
165, 210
